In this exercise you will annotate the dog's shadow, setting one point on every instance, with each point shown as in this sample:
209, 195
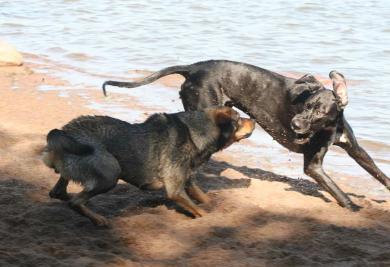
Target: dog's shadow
215, 168
129, 199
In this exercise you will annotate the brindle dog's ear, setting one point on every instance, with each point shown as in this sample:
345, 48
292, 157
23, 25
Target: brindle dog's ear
339, 87
225, 115
303, 88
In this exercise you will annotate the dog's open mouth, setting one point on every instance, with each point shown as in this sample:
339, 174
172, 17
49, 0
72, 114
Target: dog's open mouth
302, 138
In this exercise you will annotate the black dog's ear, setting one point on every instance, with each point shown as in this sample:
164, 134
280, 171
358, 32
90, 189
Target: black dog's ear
299, 93
339, 87
303, 88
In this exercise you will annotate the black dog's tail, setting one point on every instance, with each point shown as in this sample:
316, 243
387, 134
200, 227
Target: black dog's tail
182, 70
59, 142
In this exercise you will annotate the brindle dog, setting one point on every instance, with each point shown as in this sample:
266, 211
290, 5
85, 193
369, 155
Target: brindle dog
161, 152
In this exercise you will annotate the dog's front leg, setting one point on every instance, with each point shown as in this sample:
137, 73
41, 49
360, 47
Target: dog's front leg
313, 159
196, 193
348, 142
174, 187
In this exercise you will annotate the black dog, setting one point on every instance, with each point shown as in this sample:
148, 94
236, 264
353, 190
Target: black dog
302, 115
162, 151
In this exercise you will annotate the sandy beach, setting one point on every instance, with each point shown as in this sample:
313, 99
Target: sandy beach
257, 217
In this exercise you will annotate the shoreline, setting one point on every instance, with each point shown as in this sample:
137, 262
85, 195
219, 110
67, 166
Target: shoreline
171, 82
258, 218
41, 78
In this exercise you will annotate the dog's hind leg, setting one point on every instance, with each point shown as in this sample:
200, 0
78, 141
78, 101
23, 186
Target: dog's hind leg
313, 160
77, 204
348, 142
78, 200
59, 189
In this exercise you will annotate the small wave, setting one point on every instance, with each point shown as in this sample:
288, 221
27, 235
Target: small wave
13, 25
291, 25
56, 49
307, 7
79, 56
322, 60
375, 145
199, 8
348, 30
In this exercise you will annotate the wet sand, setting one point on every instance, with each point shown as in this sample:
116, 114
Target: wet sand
257, 218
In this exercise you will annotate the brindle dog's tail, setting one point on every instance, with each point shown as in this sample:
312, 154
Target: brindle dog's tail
59, 142
182, 70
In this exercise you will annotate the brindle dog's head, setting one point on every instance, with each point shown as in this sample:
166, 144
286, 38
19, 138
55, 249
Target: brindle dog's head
233, 127
321, 107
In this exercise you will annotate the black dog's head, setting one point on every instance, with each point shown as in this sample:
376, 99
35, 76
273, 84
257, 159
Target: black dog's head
321, 108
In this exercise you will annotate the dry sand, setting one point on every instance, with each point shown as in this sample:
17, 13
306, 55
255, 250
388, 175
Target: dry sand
257, 218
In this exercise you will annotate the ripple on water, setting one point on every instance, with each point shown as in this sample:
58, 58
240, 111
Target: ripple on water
56, 49
79, 56
13, 25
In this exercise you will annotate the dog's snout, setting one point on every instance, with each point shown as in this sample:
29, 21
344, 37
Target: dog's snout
299, 125
245, 128
296, 124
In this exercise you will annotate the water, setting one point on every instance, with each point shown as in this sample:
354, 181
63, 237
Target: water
110, 38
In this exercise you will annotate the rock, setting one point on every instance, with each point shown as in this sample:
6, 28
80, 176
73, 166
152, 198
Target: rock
9, 56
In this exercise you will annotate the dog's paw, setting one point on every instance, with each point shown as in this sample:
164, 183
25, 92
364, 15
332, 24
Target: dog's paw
353, 207
200, 213
60, 196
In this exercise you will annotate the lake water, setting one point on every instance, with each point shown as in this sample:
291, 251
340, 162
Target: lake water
112, 37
